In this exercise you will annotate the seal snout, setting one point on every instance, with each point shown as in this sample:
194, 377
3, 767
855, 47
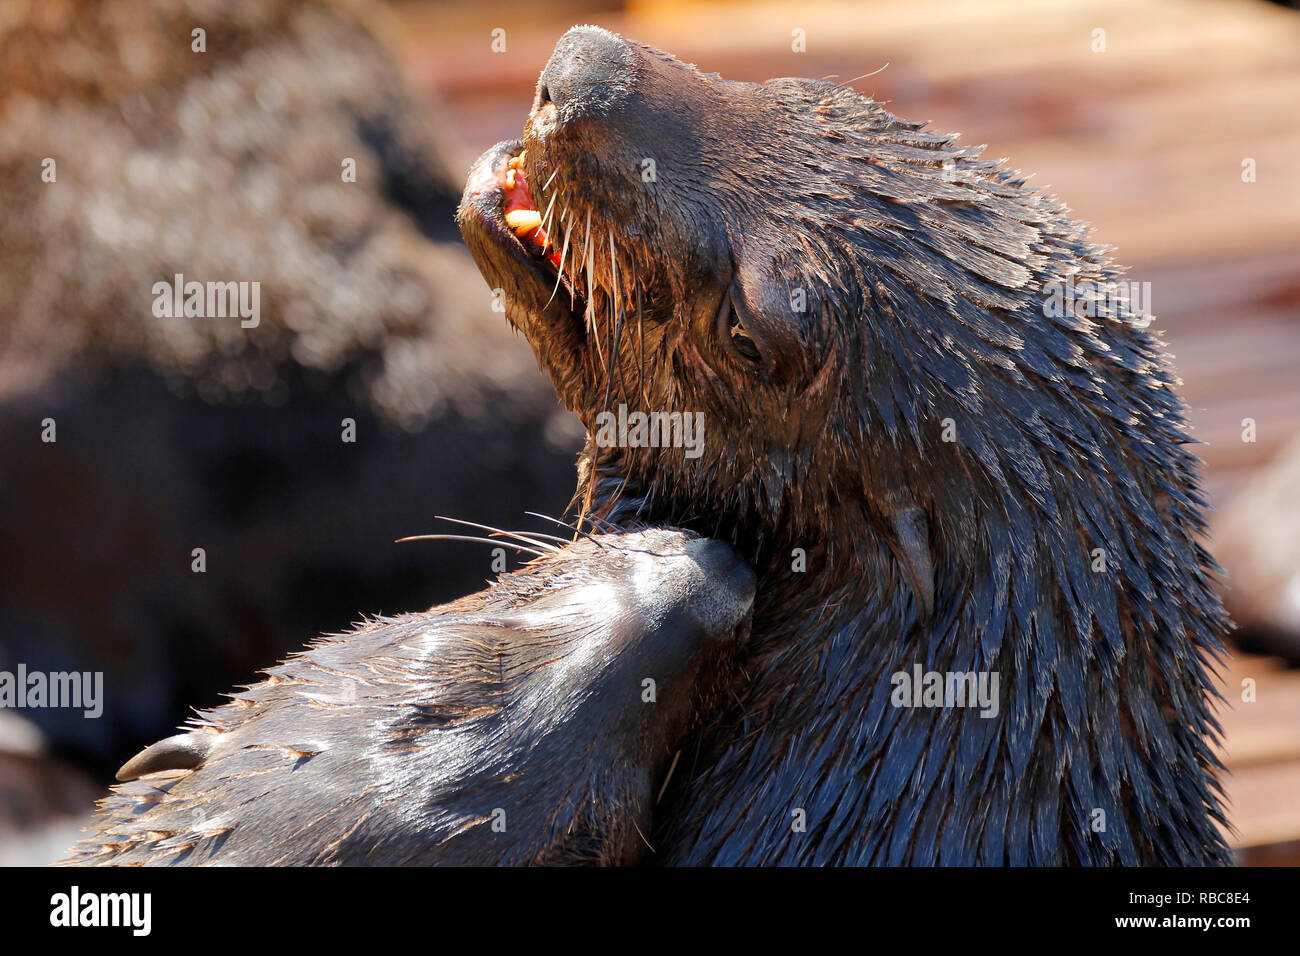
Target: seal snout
729, 597
588, 73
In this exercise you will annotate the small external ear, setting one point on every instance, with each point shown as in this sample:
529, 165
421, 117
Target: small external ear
911, 545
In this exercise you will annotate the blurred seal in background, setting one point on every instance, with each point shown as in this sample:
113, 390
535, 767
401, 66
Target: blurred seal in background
287, 153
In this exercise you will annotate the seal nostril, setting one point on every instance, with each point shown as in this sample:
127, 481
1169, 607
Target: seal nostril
590, 71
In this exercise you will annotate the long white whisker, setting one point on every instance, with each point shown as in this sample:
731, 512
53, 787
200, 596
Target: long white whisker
593, 328
546, 220
465, 537
559, 269
502, 532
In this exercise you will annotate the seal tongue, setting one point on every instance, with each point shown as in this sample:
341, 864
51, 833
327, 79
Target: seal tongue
521, 211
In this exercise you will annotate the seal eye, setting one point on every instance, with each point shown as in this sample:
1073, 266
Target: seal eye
741, 341
731, 327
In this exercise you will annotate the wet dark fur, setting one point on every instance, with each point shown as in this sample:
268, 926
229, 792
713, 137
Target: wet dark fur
396, 743
924, 269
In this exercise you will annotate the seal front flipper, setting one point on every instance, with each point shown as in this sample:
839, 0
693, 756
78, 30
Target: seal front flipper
178, 752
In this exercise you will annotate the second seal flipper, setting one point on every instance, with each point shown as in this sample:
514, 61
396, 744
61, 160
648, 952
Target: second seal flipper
178, 752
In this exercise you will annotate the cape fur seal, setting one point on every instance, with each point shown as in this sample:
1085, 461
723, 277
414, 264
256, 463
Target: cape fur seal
934, 425
531, 723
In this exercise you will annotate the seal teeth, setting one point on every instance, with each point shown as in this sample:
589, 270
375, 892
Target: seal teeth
523, 221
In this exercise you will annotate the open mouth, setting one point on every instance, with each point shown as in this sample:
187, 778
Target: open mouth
514, 241
522, 216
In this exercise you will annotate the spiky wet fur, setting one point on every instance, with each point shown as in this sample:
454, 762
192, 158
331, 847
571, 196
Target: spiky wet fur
924, 269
